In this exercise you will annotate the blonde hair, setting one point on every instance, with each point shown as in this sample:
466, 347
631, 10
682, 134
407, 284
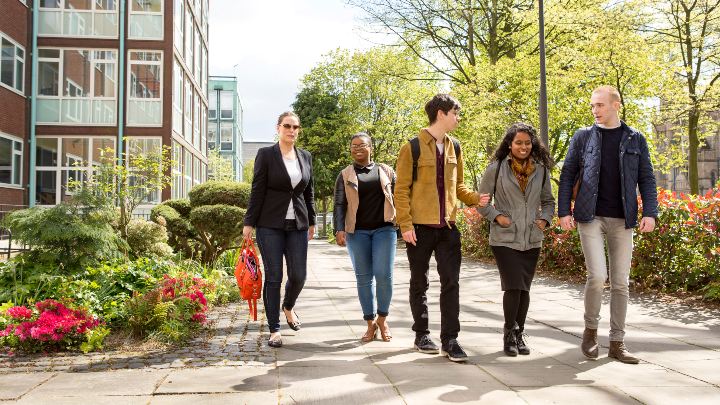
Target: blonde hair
611, 90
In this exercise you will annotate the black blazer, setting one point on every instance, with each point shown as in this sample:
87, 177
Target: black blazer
272, 191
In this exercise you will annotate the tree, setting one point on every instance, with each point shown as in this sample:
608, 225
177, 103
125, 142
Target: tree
219, 167
125, 183
350, 92
693, 28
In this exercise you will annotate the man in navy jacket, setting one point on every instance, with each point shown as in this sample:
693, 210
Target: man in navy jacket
605, 165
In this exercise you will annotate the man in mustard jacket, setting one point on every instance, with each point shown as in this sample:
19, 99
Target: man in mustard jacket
429, 183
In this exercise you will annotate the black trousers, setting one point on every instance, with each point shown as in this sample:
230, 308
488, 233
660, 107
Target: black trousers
445, 243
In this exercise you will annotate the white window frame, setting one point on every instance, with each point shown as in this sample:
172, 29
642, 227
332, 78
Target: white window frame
16, 59
93, 12
60, 167
138, 99
90, 95
177, 171
177, 97
160, 13
14, 153
232, 105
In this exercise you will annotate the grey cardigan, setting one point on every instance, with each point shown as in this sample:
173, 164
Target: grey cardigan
523, 209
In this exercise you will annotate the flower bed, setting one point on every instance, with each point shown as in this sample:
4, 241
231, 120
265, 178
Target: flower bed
682, 254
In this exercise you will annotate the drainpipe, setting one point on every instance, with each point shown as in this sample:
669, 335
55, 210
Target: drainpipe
121, 83
33, 104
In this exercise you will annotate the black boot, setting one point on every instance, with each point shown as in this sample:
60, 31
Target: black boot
520, 340
509, 342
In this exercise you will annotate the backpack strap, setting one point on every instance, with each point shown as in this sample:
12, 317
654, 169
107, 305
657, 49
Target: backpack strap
415, 149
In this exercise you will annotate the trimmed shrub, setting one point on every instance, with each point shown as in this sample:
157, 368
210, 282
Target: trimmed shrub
220, 192
147, 239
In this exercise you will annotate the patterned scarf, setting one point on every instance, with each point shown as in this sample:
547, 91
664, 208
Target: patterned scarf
522, 170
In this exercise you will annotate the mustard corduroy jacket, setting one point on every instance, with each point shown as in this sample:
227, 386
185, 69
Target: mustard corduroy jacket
417, 202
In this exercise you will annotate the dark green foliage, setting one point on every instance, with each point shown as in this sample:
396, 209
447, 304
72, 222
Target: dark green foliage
207, 224
147, 239
68, 235
220, 192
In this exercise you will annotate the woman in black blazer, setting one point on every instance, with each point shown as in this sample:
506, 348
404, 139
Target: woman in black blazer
282, 209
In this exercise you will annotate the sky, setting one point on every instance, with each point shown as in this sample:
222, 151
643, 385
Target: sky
269, 45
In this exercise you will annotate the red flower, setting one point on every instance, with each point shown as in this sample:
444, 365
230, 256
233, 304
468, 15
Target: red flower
19, 312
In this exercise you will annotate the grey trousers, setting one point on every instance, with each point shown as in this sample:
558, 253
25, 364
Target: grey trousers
593, 237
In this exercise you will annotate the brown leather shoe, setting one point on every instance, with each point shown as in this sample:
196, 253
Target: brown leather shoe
589, 344
620, 352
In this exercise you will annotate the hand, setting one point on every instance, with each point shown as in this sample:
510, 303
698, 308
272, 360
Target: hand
247, 233
311, 232
567, 223
410, 237
541, 223
647, 224
503, 220
484, 200
340, 238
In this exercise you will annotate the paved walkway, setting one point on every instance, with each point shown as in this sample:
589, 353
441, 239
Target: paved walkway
324, 362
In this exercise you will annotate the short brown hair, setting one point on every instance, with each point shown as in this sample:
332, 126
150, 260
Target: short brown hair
444, 102
612, 90
287, 114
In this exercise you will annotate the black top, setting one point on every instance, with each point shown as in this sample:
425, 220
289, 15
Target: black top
609, 200
371, 207
272, 191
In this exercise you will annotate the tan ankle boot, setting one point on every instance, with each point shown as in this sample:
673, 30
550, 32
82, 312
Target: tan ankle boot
620, 352
589, 344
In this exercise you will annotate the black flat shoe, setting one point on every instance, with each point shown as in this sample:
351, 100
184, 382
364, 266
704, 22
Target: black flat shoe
294, 325
276, 343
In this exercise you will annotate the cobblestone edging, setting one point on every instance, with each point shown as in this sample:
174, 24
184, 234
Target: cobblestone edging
231, 338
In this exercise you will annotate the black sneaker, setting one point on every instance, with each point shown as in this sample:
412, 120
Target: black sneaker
453, 351
424, 344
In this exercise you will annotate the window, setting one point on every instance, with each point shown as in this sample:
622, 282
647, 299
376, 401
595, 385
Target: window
146, 19
205, 72
77, 86
196, 171
203, 129
11, 156
212, 135
145, 88
188, 55
226, 136
187, 129
226, 104
177, 172
177, 98
212, 105
12, 64
198, 55
143, 147
196, 121
61, 160
187, 172
179, 10
78, 18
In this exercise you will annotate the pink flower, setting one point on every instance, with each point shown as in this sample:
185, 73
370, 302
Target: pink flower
19, 312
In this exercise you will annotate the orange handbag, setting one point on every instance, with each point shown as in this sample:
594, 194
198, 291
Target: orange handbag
249, 275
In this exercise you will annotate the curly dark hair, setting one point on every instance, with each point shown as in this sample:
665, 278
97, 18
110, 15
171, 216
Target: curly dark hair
539, 151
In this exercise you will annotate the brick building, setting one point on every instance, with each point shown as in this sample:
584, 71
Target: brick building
111, 74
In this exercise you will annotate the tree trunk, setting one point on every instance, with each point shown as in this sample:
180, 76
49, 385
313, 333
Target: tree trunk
694, 143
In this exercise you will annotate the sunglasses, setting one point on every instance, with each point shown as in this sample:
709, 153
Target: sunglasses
360, 146
288, 126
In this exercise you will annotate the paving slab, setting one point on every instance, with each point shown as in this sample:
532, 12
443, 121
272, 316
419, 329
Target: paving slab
13, 386
84, 398
120, 382
220, 380
240, 398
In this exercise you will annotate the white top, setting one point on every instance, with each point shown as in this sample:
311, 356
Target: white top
293, 169
441, 147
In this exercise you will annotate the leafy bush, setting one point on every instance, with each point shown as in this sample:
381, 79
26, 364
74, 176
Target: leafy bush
172, 311
68, 235
147, 239
211, 224
51, 325
682, 254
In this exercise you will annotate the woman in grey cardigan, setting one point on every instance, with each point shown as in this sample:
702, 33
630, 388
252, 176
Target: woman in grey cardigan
523, 206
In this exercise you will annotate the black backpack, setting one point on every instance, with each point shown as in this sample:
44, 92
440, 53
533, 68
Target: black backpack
415, 148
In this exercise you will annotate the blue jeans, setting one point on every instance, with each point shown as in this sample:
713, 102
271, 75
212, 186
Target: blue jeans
274, 244
372, 253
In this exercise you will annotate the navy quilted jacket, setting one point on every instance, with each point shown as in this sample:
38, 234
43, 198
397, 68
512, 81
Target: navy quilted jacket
636, 172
